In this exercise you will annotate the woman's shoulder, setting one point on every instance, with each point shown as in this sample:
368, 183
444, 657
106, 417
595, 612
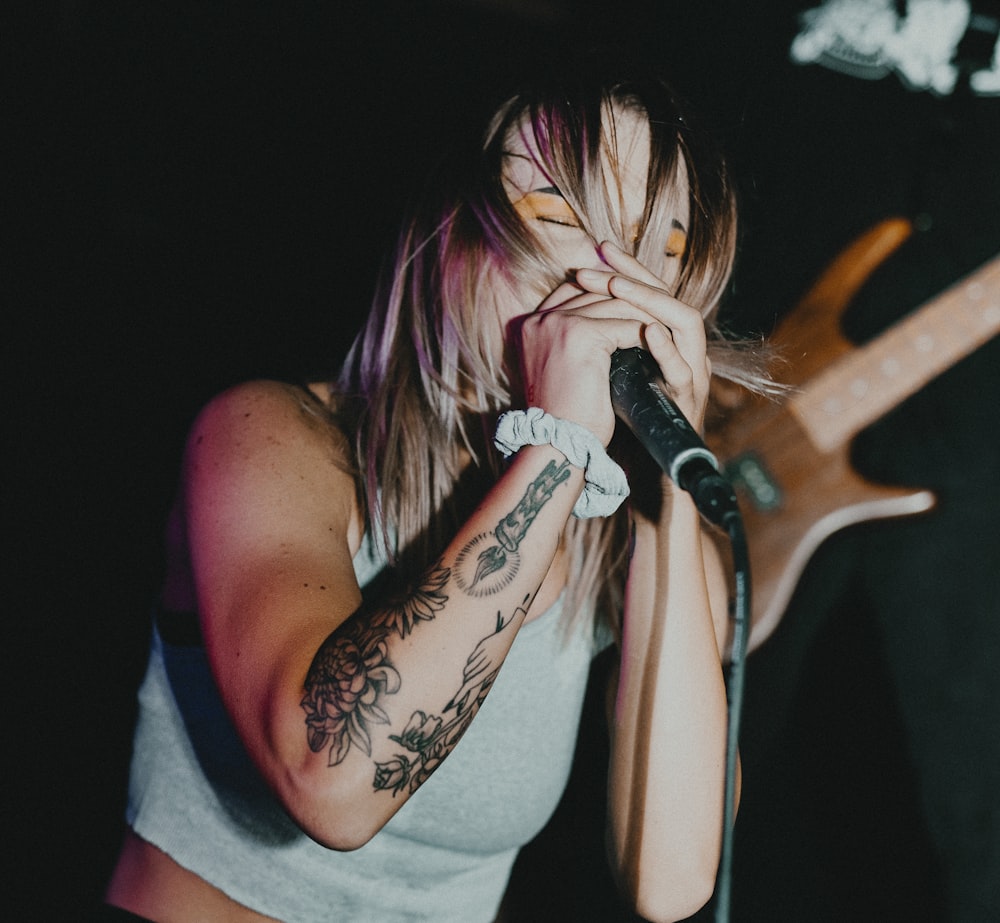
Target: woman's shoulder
272, 416
272, 450
271, 403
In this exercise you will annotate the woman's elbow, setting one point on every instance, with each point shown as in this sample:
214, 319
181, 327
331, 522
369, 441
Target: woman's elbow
672, 887
341, 835
335, 817
669, 902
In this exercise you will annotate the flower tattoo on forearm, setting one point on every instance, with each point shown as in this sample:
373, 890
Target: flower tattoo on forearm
428, 739
351, 671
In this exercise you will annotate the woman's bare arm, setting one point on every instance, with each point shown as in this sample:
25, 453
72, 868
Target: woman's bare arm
669, 719
669, 722
345, 709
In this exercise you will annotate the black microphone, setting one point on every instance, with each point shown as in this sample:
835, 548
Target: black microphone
641, 403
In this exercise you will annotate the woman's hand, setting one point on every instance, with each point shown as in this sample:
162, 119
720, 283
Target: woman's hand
675, 337
566, 344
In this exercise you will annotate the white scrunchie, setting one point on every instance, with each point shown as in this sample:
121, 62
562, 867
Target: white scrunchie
606, 485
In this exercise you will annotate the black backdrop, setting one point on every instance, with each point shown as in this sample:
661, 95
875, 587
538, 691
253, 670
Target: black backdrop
201, 195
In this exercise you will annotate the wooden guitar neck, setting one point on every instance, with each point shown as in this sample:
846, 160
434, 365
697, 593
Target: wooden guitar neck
789, 459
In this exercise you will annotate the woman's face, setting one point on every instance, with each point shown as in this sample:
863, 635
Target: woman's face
551, 219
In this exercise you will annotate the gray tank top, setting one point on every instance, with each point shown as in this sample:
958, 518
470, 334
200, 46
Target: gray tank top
447, 853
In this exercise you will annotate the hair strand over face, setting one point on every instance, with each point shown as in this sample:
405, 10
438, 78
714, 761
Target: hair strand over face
426, 376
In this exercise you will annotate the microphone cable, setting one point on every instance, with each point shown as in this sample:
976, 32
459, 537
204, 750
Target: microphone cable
740, 617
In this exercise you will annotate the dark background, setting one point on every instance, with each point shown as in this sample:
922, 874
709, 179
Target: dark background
202, 194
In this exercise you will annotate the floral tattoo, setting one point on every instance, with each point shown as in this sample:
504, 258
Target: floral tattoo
490, 561
351, 672
430, 738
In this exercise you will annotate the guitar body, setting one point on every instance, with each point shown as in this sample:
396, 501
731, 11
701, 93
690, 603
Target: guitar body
795, 493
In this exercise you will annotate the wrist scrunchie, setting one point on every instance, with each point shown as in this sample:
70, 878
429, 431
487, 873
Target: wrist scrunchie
605, 483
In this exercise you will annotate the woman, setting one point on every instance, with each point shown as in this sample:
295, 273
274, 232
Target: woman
366, 568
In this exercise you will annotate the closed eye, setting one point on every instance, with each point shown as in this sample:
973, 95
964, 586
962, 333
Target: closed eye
546, 205
566, 221
676, 240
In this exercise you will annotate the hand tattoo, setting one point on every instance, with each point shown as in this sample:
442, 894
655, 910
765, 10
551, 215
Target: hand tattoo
430, 738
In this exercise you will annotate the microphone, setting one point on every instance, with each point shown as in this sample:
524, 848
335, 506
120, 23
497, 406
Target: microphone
641, 403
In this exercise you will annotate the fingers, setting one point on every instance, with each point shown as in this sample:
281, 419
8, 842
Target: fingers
686, 325
586, 327
625, 263
675, 334
570, 295
566, 343
562, 294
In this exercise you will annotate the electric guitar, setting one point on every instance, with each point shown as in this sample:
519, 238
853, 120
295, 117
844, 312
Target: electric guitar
789, 458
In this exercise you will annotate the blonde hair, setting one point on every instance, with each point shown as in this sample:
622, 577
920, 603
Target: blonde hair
425, 379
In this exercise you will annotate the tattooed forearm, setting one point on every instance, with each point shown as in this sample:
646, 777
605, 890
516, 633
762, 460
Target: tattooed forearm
421, 605
428, 739
513, 527
351, 672
490, 561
